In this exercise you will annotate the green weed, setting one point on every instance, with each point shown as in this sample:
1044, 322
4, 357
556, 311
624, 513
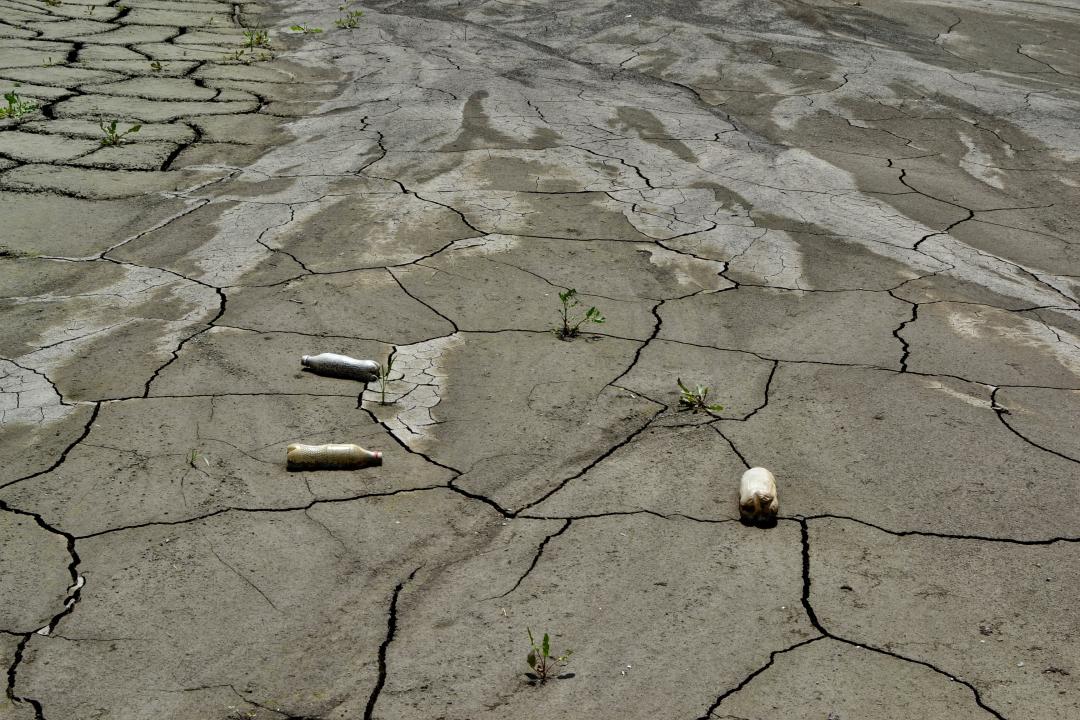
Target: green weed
349, 19
306, 30
571, 326
114, 137
543, 664
696, 399
256, 38
16, 106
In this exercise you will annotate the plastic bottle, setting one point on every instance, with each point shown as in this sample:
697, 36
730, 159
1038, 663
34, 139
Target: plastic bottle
330, 457
341, 366
758, 501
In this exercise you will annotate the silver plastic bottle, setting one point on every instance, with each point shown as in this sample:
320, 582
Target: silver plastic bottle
341, 366
330, 457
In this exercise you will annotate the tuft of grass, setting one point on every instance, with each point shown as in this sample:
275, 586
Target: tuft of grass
194, 457
113, 136
571, 326
16, 107
543, 664
256, 38
696, 399
305, 29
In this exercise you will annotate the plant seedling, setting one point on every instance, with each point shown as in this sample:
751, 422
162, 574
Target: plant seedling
52, 3
112, 136
306, 30
16, 106
384, 377
256, 38
571, 327
349, 19
155, 65
193, 459
543, 664
696, 399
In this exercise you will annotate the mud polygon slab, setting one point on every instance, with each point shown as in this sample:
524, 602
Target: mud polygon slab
666, 583
966, 607
34, 575
993, 346
840, 440
828, 678
852, 327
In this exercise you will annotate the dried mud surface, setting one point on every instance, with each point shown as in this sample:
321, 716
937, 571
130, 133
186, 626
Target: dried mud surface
854, 221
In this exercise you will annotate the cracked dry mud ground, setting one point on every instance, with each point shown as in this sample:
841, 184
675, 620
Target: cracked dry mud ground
854, 221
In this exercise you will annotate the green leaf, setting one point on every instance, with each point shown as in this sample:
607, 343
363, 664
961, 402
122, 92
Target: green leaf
545, 647
134, 128
531, 659
296, 28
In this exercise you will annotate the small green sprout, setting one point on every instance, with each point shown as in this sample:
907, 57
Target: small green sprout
194, 457
113, 137
156, 65
696, 399
571, 327
16, 106
305, 29
384, 378
349, 19
52, 3
540, 659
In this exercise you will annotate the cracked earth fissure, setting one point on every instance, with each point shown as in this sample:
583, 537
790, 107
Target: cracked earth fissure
536, 558
708, 714
65, 452
1003, 413
74, 593
391, 629
812, 615
596, 461
940, 535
